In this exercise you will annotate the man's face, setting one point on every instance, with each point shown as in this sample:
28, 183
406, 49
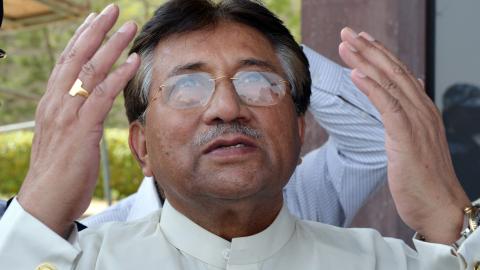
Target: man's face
191, 165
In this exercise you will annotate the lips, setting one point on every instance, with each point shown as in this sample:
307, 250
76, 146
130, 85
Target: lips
230, 144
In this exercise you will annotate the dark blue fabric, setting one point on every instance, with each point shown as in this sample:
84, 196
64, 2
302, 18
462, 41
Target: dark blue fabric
9, 202
80, 226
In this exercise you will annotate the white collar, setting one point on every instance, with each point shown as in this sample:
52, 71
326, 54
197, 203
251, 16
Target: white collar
146, 200
192, 239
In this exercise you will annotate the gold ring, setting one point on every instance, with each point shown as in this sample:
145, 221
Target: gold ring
77, 90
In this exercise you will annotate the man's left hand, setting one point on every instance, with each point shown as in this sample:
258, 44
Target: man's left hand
426, 191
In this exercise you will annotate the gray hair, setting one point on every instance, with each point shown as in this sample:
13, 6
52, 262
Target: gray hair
183, 16
144, 79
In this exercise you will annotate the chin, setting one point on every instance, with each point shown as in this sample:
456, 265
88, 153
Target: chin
237, 187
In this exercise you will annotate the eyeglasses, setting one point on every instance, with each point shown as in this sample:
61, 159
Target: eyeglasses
256, 88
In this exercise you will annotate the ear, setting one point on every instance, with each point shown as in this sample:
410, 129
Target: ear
301, 128
138, 145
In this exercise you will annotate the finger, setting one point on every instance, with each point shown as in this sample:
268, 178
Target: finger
100, 102
83, 49
394, 117
421, 105
422, 98
95, 70
74, 38
378, 60
374, 53
78, 32
389, 54
380, 46
353, 59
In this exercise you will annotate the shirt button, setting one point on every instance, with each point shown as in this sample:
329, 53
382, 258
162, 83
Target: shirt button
477, 266
226, 254
46, 266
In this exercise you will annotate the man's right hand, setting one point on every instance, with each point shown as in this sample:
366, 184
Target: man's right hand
64, 163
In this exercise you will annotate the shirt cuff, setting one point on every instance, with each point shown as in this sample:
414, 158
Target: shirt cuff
435, 256
469, 251
467, 255
26, 243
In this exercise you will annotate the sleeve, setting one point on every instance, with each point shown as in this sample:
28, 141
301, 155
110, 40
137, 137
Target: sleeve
334, 181
426, 256
22, 234
436, 256
393, 253
469, 251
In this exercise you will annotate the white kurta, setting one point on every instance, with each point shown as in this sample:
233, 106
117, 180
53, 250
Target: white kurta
169, 240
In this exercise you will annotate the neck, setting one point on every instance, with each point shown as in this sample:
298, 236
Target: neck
231, 218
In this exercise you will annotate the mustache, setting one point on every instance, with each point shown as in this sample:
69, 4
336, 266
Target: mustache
223, 129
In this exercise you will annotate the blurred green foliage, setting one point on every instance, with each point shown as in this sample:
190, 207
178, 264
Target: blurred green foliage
125, 173
15, 155
31, 56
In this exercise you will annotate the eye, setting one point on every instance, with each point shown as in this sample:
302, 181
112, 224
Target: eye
252, 78
187, 82
188, 90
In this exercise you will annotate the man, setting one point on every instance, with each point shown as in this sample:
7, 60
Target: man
332, 182
216, 116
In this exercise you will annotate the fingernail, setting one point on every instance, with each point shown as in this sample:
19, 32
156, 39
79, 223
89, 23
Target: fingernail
350, 32
107, 9
131, 58
359, 74
126, 27
90, 17
367, 36
422, 82
350, 47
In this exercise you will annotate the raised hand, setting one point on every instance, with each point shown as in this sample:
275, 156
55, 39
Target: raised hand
64, 163
421, 177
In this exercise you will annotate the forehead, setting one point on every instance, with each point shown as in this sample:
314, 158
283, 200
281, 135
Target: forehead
221, 49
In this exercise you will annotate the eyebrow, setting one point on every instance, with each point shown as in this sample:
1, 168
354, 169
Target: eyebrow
196, 66
199, 66
252, 62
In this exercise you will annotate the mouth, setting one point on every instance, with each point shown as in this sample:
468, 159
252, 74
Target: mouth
230, 145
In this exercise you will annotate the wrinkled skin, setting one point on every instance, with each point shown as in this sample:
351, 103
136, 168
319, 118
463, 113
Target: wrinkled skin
65, 152
426, 191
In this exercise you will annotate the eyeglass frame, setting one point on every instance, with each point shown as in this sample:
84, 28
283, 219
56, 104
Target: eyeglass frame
142, 116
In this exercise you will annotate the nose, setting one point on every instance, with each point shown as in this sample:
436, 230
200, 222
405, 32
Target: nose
225, 105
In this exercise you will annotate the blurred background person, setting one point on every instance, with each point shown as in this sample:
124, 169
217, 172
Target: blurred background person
461, 116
